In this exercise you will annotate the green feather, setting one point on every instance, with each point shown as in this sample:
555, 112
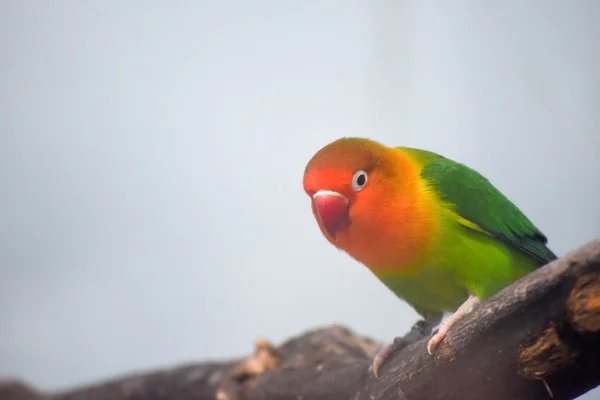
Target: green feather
478, 201
495, 245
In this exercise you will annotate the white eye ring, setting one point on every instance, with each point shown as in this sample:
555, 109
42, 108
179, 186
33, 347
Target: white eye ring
359, 180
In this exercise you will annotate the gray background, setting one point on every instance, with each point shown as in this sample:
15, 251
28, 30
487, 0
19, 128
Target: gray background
152, 156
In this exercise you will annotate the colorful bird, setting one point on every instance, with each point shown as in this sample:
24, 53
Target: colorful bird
438, 234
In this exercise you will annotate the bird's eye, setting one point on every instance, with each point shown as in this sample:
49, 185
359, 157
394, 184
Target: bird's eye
359, 180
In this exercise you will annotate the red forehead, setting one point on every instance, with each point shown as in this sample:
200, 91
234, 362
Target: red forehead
334, 165
345, 154
326, 179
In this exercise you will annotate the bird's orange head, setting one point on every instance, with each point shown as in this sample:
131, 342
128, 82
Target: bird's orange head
365, 200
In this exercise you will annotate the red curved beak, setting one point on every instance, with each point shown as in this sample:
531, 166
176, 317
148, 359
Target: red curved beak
332, 209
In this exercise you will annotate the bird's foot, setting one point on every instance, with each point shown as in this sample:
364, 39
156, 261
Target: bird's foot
440, 332
418, 331
385, 351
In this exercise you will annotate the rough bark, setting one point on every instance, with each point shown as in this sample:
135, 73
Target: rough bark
539, 337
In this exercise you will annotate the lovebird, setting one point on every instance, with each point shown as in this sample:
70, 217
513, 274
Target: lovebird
437, 233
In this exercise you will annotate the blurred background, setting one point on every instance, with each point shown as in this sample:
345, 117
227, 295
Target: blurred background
151, 161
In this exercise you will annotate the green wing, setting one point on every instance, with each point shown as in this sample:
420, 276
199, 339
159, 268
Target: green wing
479, 202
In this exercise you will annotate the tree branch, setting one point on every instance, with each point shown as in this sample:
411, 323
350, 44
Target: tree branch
539, 337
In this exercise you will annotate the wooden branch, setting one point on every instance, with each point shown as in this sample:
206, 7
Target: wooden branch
538, 338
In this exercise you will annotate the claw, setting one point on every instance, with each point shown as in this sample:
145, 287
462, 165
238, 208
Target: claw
436, 338
385, 351
439, 333
380, 357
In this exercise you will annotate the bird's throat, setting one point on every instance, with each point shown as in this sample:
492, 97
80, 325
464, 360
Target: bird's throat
390, 246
